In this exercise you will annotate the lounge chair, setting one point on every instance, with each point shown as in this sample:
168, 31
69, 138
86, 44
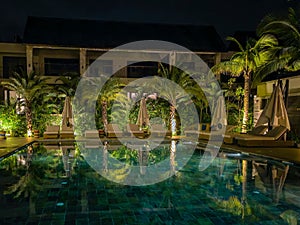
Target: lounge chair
90, 134
229, 137
271, 139
66, 132
214, 134
159, 130
52, 132
113, 131
192, 130
135, 131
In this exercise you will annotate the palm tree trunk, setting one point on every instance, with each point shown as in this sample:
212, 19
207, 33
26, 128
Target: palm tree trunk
246, 102
104, 115
172, 119
28, 114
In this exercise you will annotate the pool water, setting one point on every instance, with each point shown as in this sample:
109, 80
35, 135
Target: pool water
55, 185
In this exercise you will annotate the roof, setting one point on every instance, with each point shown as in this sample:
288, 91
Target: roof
110, 34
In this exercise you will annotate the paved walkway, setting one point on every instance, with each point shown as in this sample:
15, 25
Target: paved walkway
11, 144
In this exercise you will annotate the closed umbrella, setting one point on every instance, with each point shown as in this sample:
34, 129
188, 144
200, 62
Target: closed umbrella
219, 118
275, 113
143, 116
67, 113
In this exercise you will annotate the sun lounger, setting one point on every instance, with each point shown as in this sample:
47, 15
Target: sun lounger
52, 132
271, 139
113, 131
135, 131
213, 134
66, 132
159, 130
90, 134
229, 137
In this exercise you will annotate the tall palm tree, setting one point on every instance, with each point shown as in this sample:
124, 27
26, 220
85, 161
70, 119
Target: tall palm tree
245, 63
287, 31
29, 87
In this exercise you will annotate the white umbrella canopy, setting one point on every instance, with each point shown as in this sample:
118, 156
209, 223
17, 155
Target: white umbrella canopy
67, 116
143, 116
219, 118
275, 113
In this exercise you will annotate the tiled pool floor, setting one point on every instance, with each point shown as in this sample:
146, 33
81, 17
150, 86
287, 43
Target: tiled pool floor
226, 193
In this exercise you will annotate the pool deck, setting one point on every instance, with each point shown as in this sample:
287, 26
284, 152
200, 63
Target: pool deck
12, 144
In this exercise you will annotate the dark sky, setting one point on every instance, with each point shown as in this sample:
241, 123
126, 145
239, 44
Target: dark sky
227, 16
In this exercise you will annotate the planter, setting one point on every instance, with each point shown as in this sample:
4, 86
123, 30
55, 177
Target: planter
2, 134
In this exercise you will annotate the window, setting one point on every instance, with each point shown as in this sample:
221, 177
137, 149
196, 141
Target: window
13, 64
100, 67
57, 67
141, 69
188, 66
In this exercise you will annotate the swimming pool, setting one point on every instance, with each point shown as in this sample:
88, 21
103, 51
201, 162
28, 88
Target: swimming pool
55, 185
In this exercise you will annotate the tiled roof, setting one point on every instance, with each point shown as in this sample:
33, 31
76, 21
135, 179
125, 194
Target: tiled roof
110, 34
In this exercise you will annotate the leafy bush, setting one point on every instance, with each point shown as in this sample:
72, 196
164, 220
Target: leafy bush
10, 121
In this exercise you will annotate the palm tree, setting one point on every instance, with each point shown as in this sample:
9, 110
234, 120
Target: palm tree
287, 31
70, 81
245, 63
29, 87
164, 89
109, 93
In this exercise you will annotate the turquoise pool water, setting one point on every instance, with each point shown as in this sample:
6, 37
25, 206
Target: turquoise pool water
55, 185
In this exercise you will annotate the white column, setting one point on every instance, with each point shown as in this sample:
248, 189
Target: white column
82, 60
29, 56
172, 59
217, 61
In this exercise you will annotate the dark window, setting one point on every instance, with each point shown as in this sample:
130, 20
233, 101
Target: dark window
142, 69
57, 67
100, 67
13, 64
188, 66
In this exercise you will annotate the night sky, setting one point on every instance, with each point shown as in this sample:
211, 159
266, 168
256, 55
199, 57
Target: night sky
227, 16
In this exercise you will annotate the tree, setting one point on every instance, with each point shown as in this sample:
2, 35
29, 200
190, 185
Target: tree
29, 87
286, 30
245, 63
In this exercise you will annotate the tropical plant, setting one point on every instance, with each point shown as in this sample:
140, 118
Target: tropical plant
29, 87
10, 121
45, 111
245, 63
287, 30
234, 100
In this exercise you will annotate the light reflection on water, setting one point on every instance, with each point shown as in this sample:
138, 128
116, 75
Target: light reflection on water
56, 185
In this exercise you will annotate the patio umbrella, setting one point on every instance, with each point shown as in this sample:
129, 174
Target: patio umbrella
67, 113
143, 116
275, 113
219, 118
